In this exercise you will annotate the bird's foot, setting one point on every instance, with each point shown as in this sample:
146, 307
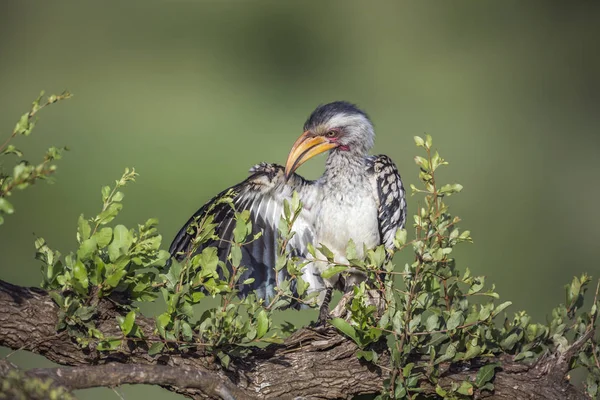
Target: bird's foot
324, 309
341, 309
323, 317
374, 298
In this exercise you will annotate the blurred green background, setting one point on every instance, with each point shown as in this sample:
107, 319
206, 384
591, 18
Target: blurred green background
192, 94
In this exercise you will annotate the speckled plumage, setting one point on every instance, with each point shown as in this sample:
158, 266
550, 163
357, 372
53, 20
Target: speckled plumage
359, 197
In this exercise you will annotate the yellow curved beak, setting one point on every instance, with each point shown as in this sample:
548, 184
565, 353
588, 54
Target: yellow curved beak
305, 148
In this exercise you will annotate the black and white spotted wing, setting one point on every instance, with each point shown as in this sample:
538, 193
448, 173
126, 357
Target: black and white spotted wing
262, 194
391, 211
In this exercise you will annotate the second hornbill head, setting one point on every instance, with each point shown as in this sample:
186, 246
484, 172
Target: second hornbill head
338, 126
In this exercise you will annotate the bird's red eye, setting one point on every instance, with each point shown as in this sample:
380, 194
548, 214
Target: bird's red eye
331, 134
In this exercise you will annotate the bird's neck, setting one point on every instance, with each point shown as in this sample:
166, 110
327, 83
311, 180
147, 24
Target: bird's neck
343, 168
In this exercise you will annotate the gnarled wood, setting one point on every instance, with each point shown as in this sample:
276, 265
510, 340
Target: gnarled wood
312, 363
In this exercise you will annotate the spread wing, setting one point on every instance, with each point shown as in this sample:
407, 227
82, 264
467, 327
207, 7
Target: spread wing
262, 194
391, 212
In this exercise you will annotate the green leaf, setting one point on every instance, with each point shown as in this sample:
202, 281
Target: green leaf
419, 141
407, 369
251, 333
485, 374
448, 355
440, 391
162, 321
400, 392
262, 323
114, 279
10, 149
367, 355
377, 255
85, 313
286, 210
326, 252
296, 203
80, 274
103, 237
240, 231
281, 262
472, 351
450, 189
466, 235
57, 297
110, 213
526, 354
401, 236
156, 348
478, 282
331, 271
273, 339
197, 296
432, 322
351, 250
283, 228
488, 386
209, 259
126, 323
186, 331
465, 388
311, 250
301, 286
485, 312
345, 328
501, 307
109, 344
225, 359
5, 206
398, 321
118, 196
236, 255
591, 384
122, 239
83, 229
428, 141
87, 249
436, 161
414, 323
422, 162
105, 193
456, 318
509, 341
25, 125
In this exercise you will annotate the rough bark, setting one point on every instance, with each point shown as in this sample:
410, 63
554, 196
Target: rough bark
312, 363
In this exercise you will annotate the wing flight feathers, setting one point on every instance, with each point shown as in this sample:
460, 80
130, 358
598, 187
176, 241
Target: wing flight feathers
262, 193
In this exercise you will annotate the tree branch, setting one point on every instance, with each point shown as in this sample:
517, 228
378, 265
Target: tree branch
312, 363
114, 374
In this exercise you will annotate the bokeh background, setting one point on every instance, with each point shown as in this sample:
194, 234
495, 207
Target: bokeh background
192, 94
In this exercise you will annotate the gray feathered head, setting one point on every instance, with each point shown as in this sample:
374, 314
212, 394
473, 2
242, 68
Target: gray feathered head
337, 126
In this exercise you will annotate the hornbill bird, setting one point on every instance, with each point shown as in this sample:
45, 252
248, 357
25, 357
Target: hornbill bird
359, 197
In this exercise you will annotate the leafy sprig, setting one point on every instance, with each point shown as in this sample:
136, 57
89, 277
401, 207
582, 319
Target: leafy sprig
109, 261
237, 321
430, 317
25, 174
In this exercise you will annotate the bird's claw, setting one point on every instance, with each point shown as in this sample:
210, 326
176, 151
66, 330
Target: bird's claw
323, 317
324, 309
